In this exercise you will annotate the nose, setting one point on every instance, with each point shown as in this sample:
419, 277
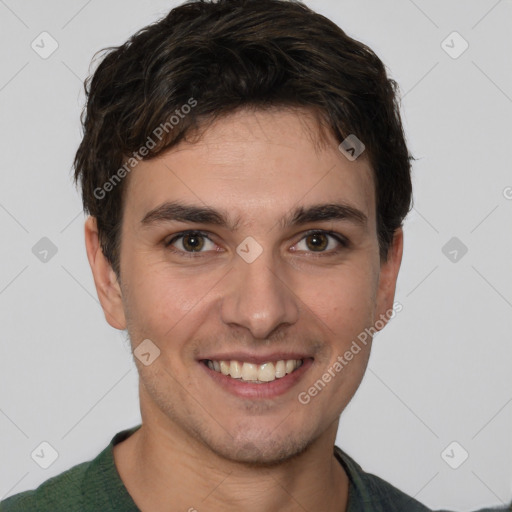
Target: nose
258, 297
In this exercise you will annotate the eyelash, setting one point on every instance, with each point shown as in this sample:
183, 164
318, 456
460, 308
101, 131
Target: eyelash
344, 243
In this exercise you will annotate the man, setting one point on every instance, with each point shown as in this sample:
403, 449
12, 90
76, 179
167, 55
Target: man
246, 175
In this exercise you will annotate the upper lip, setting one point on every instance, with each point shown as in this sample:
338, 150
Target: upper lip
255, 358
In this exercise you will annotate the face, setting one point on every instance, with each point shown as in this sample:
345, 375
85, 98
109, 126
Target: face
251, 253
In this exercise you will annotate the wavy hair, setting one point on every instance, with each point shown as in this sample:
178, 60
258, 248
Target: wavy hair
228, 55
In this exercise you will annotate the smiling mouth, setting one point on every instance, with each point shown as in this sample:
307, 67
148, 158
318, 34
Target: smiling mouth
254, 373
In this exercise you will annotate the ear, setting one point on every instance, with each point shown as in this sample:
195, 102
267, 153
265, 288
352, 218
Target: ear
105, 279
387, 280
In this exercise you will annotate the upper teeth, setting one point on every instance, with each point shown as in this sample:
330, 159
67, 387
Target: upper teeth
265, 372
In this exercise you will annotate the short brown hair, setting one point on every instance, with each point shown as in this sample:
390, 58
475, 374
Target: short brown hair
225, 55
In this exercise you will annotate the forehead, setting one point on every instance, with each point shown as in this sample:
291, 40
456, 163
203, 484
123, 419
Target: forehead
255, 164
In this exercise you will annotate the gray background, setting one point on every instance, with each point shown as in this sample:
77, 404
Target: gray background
440, 372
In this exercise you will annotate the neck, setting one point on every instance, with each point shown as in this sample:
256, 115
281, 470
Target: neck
163, 466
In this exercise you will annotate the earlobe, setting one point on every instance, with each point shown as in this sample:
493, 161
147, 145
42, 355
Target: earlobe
105, 279
388, 277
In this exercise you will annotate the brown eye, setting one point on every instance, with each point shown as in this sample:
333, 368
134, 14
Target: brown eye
317, 241
190, 242
322, 242
193, 242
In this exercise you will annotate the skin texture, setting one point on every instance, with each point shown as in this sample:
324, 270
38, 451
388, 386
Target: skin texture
200, 445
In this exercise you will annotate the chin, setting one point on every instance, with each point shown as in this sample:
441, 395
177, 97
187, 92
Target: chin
261, 451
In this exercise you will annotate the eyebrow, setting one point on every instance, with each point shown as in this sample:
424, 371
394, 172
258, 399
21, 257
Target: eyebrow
176, 211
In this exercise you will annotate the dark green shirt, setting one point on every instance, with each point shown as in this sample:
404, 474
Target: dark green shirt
96, 486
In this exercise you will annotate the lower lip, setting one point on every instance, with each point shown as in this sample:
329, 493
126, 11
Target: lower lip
271, 389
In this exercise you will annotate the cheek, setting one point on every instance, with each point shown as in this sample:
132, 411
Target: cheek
159, 298
344, 306
344, 299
